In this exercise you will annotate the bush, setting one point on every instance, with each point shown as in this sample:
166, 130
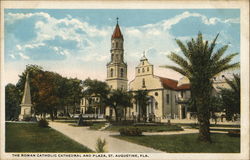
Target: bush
27, 118
43, 123
133, 131
100, 146
87, 123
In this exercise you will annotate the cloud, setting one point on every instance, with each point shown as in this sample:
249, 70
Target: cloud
12, 56
70, 42
23, 56
169, 23
69, 34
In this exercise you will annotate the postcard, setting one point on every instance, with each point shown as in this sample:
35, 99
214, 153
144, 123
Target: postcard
125, 79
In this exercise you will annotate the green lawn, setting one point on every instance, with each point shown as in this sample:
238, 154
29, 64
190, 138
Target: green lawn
156, 128
28, 137
187, 143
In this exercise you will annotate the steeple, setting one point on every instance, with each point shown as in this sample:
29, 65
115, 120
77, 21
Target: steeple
117, 32
143, 56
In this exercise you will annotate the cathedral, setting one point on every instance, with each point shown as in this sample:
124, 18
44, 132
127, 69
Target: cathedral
167, 97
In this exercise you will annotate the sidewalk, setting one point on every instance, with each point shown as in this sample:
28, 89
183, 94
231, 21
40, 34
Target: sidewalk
89, 138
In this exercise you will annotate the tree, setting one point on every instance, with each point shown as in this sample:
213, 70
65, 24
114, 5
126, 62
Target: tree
119, 100
35, 72
231, 97
99, 88
48, 95
200, 64
216, 105
50, 91
12, 102
141, 99
75, 92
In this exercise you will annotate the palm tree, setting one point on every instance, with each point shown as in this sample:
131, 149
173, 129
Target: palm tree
141, 98
119, 100
231, 96
200, 64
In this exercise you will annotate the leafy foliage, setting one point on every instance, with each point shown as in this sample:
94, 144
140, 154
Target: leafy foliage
132, 131
12, 102
50, 91
141, 98
43, 123
231, 97
100, 145
97, 88
119, 100
200, 63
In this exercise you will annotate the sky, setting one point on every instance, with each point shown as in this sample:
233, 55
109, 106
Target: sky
77, 42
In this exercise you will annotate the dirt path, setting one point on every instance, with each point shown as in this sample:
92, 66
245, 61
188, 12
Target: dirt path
88, 138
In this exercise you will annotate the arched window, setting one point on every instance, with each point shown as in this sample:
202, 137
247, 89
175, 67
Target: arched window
147, 68
156, 105
143, 83
143, 70
139, 70
116, 45
122, 72
113, 44
112, 57
111, 72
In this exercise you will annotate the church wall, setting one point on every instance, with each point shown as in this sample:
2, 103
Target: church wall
170, 107
151, 82
157, 94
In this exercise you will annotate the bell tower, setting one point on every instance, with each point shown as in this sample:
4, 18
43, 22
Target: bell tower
117, 68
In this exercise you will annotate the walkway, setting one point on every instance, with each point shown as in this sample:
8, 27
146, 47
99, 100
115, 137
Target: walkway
89, 138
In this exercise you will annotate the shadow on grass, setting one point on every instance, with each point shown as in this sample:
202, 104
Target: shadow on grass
28, 137
187, 143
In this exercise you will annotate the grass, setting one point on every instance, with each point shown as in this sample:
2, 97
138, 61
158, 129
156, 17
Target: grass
156, 128
225, 130
187, 143
28, 137
97, 126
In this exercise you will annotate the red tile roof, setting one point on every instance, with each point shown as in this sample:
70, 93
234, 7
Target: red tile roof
168, 83
172, 84
117, 32
184, 86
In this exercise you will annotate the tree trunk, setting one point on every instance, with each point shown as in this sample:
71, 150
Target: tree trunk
125, 114
52, 115
203, 119
204, 130
116, 114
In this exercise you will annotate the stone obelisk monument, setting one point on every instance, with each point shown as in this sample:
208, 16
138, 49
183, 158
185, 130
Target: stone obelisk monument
26, 101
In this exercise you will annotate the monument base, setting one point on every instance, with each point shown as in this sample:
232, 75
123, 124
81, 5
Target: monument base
25, 114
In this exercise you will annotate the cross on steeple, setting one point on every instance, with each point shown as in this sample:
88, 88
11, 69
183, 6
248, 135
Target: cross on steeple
117, 19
